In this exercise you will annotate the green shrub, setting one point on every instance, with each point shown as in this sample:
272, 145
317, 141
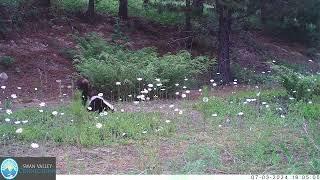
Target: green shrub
71, 5
7, 61
301, 87
117, 32
105, 64
245, 75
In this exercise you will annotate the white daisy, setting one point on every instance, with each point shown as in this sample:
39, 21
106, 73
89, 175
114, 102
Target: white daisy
35, 145
54, 113
19, 131
13, 96
205, 99
9, 111
98, 125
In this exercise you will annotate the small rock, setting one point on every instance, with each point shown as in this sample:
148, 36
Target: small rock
3, 76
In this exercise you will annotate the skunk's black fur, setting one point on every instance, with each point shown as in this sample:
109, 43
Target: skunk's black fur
99, 104
96, 103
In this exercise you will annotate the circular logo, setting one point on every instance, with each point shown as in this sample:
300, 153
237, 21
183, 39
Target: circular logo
9, 168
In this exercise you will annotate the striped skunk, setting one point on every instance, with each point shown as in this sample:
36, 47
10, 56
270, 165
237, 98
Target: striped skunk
96, 103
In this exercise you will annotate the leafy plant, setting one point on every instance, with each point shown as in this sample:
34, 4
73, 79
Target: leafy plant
301, 87
105, 64
7, 61
117, 32
245, 75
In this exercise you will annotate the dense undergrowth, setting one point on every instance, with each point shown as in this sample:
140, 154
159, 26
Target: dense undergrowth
112, 68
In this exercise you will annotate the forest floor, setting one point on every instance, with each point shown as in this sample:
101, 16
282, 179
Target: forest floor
39, 51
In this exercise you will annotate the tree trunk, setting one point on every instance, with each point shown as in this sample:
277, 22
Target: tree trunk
91, 9
198, 6
224, 14
123, 9
263, 12
188, 28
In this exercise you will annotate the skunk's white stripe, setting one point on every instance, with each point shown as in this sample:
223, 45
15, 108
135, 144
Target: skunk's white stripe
104, 101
